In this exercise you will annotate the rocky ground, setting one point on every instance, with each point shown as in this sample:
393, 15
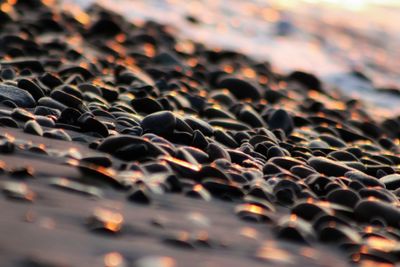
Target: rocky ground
122, 145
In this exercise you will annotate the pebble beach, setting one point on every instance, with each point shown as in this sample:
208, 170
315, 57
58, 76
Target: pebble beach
131, 143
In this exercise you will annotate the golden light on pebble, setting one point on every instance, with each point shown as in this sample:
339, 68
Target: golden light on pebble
113, 259
82, 17
6, 7
364, 249
368, 229
254, 209
249, 73
263, 79
9, 137
149, 50
370, 263
356, 257
117, 47
309, 253
310, 200
293, 217
120, 38
325, 204
202, 236
270, 252
372, 198
84, 64
185, 47
46, 2
228, 68
380, 243
194, 167
192, 62
249, 232
112, 221
198, 187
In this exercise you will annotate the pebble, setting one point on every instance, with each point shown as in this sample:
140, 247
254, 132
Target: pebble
93, 125
363, 178
370, 210
106, 221
103, 161
295, 229
51, 103
66, 99
130, 147
59, 134
241, 89
199, 192
20, 97
308, 80
392, 181
22, 114
146, 105
139, 195
6, 121
280, 119
75, 187
329, 167
339, 235
200, 125
345, 197
18, 191
151, 123
6, 146
34, 90
33, 127
222, 189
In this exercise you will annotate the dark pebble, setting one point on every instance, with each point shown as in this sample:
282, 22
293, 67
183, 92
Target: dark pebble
308, 80
66, 99
93, 125
392, 181
22, 114
240, 88
6, 121
20, 97
127, 147
162, 122
31, 88
57, 134
369, 210
6, 146
103, 161
51, 103
329, 167
345, 197
140, 196
280, 119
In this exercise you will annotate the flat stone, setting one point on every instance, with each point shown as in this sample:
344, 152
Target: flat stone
20, 97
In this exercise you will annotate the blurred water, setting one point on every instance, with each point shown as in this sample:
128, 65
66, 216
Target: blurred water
328, 37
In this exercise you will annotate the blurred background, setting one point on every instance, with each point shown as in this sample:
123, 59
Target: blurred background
351, 44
